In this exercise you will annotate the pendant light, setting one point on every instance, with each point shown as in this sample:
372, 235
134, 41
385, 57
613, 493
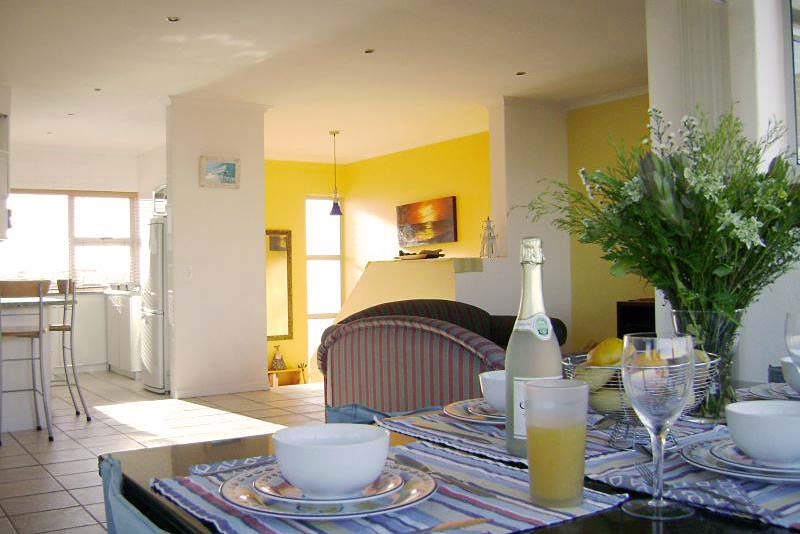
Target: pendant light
336, 209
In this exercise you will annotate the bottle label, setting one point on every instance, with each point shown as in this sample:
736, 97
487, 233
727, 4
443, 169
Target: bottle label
539, 324
520, 422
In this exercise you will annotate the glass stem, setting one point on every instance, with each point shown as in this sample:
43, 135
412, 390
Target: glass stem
657, 441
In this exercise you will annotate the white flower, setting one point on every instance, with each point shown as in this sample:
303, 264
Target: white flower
746, 230
633, 189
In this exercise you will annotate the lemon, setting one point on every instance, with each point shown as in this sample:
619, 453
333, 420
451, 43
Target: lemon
607, 353
700, 356
608, 400
596, 378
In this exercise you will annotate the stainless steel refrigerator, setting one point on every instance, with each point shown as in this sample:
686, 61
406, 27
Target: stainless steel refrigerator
155, 368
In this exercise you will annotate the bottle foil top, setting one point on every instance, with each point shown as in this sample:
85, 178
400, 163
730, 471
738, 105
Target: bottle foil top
530, 250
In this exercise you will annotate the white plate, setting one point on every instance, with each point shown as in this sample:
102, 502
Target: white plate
766, 392
785, 390
483, 409
417, 486
726, 452
272, 485
461, 410
699, 455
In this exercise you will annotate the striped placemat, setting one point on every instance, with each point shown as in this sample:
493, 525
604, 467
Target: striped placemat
769, 503
508, 511
490, 440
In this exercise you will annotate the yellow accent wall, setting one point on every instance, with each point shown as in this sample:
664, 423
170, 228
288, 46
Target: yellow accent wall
370, 190
376, 186
594, 291
287, 185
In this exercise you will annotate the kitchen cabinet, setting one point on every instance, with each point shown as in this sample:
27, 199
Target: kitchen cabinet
123, 315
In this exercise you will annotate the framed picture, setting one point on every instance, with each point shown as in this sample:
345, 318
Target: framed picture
219, 172
426, 222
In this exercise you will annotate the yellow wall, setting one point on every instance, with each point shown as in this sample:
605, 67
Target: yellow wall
594, 291
287, 184
370, 190
376, 186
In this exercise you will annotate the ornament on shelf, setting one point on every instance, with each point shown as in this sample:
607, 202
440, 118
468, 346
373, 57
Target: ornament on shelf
488, 239
277, 360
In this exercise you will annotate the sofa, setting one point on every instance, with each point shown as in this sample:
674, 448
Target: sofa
405, 356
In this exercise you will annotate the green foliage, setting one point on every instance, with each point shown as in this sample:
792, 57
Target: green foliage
693, 212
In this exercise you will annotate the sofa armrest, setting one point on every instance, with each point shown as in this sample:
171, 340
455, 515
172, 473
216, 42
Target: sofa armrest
488, 351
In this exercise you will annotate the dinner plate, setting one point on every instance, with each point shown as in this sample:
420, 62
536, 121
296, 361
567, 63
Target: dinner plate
785, 390
728, 453
273, 485
484, 409
417, 487
699, 455
461, 410
766, 391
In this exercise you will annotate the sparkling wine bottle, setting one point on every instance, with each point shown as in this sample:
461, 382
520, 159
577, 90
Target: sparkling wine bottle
533, 350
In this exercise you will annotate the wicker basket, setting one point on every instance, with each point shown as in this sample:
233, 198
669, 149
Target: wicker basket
610, 399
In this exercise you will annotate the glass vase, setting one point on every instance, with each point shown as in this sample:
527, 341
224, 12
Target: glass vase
717, 334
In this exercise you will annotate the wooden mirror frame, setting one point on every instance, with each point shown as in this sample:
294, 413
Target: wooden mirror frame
288, 234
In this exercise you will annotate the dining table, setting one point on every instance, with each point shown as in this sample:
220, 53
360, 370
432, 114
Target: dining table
140, 467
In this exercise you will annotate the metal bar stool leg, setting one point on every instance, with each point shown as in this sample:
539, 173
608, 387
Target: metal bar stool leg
33, 384
66, 370
75, 375
43, 392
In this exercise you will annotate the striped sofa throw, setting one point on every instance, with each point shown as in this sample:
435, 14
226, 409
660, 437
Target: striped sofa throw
397, 364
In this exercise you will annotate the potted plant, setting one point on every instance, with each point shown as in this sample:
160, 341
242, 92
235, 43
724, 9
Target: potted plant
698, 214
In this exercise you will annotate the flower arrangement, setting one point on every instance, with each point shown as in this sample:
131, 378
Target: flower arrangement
695, 213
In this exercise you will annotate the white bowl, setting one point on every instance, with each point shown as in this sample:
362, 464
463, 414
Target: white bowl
766, 430
331, 460
493, 387
791, 372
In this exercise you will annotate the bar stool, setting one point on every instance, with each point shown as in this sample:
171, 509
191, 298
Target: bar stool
25, 289
67, 326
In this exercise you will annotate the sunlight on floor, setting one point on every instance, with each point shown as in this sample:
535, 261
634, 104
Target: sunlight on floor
171, 421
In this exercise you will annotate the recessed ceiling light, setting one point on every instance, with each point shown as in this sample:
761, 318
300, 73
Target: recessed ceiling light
97, 89
520, 73
173, 19
71, 114
49, 133
369, 50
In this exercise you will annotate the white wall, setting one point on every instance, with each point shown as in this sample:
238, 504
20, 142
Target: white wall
43, 167
151, 170
535, 148
218, 318
724, 53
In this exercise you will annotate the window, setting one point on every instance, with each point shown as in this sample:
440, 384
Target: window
323, 269
88, 236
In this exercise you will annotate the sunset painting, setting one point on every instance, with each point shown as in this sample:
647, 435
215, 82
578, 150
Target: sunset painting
426, 222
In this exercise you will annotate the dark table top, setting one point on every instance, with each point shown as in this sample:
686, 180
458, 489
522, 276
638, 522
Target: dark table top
140, 466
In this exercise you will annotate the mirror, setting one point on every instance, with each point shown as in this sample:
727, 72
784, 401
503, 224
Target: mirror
279, 284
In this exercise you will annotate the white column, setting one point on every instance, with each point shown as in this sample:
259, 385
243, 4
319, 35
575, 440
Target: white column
529, 145
218, 309
5, 124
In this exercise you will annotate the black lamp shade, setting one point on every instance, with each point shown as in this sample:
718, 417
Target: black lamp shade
336, 209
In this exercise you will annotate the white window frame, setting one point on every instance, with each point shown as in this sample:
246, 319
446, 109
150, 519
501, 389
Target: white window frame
337, 257
131, 241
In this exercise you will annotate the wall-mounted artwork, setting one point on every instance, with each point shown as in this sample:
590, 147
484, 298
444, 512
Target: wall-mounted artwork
219, 172
429, 221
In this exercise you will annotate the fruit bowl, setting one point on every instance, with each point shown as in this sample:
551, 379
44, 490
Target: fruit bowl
607, 393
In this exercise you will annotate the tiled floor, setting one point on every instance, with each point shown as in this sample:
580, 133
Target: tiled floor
55, 486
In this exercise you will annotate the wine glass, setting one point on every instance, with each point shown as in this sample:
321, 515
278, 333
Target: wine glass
792, 335
657, 373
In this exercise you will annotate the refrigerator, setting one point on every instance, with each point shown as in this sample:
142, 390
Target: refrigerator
154, 342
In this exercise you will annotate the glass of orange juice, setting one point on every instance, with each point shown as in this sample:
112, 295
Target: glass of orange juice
556, 433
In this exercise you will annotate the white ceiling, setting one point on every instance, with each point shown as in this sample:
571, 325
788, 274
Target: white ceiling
437, 64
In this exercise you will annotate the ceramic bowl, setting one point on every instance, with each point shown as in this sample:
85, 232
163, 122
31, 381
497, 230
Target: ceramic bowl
791, 372
766, 430
331, 460
493, 387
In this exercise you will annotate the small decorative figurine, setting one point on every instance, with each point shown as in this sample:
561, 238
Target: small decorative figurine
277, 360
488, 239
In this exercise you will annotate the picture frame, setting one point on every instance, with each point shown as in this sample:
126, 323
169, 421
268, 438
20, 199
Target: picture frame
220, 172
427, 222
